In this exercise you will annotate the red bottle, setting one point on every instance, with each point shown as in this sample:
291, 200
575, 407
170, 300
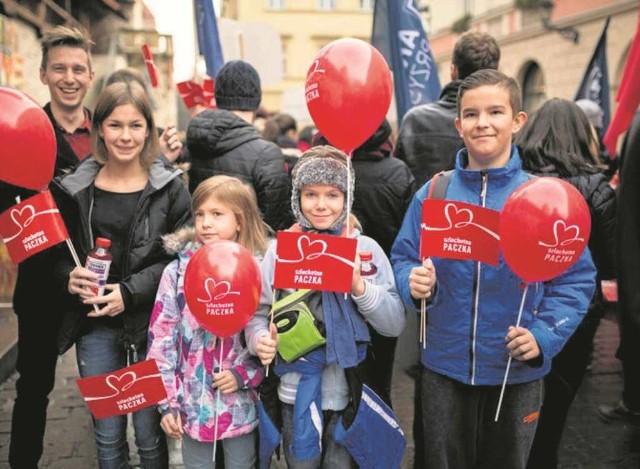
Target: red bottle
368, 269
99, 262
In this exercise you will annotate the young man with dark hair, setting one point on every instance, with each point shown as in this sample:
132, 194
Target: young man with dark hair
66, 69
428, 140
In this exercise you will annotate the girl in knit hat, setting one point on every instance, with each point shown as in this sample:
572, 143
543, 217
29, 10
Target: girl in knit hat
314, 390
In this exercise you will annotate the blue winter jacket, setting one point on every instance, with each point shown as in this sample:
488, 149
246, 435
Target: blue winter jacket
475, 303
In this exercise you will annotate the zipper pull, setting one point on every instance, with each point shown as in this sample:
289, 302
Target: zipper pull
483, 190
134, 351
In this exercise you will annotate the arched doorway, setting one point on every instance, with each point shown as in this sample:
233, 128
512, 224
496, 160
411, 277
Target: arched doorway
534, 90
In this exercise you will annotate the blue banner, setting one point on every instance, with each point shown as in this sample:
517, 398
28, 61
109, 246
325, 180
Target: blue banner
208, 38
595, 82
399, 35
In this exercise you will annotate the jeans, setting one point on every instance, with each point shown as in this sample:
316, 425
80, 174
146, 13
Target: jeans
459, 426
36, 364
333, 455
100, 351
239, 452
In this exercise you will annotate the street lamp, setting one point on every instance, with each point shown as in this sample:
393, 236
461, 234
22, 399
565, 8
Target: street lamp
569, 32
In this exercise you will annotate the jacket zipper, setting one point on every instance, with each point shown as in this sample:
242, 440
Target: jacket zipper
476, 288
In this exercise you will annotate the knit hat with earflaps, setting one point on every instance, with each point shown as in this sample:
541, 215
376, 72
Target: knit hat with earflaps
238, 87
322, 165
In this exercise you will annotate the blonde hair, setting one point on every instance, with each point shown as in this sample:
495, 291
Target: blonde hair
241, 199
75, 36
119, 94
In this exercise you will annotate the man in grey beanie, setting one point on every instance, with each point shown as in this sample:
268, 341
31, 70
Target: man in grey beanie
224, 141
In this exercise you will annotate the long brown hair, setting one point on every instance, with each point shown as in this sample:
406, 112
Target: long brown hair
241, 199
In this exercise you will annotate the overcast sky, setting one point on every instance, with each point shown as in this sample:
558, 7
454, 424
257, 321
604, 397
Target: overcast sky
175, 17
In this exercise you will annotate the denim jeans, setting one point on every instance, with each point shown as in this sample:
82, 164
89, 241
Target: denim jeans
239, 452
459, 426
100, 351
333, 456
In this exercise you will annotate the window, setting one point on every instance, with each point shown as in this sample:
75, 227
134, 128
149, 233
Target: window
275, 4
534, 91
326, 4
366, 5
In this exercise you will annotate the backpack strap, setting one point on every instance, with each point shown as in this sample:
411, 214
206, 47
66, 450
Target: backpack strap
439, 184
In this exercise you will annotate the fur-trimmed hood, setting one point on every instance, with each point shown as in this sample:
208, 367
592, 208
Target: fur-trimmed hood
178, 241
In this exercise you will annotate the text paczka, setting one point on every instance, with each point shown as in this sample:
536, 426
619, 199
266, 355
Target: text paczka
560, 255
220, 309
34, 240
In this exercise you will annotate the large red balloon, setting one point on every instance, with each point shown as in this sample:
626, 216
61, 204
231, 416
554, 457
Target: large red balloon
348, 92
28, 150
222, 287
544, 227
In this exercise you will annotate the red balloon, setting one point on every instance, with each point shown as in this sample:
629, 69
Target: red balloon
544, 227
222, 287
348, 92
28, 150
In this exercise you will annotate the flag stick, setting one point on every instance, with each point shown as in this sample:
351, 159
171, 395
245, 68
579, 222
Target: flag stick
215, 425
506, 373
423, 317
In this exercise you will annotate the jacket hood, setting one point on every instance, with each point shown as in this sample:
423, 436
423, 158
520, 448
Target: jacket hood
177, 241
85, 174
215, 132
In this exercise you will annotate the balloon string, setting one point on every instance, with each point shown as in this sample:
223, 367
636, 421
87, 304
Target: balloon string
347, 209
506, 373
215, 425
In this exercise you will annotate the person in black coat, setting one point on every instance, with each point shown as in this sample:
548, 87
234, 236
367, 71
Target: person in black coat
223, 141
628, 255
559, 141
66, 69
428, 141
384, 187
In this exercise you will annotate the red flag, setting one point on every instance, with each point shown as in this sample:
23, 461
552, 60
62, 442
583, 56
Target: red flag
457, 230
151, 67
123, 391
628, 96
314, 261
208, 87
32, 226
191, 93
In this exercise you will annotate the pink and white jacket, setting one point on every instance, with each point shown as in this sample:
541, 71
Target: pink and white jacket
186, 355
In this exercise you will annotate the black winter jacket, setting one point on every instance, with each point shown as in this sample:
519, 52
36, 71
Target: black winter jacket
629, 234
428, 140
163, 207
602, 201
220, 142
36, 272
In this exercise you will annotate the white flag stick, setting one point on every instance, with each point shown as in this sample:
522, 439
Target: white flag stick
506, 373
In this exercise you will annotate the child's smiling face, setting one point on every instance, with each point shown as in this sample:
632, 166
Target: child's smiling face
486, 124
321, 205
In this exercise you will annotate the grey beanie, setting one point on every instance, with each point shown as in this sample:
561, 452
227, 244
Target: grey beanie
322, 165
238, 87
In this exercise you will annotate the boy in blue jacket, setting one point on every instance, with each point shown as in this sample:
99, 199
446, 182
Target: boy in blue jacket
472, 307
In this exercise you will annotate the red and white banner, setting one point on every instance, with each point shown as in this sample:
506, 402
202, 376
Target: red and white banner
123, 391
151, 66
314, 261
32, 226
457, 230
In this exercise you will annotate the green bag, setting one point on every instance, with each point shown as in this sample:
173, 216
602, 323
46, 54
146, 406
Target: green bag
298, 331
